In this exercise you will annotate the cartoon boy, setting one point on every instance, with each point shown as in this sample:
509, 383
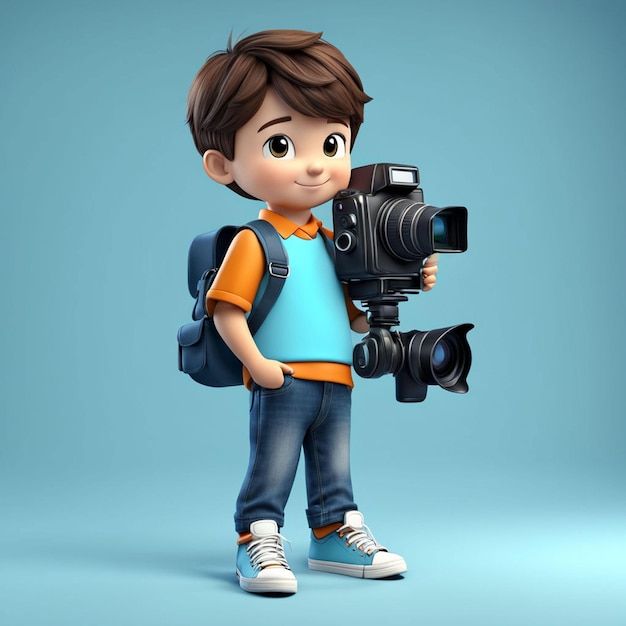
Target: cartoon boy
275, 117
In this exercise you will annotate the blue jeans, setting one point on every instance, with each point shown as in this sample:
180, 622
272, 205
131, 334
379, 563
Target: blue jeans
301, 414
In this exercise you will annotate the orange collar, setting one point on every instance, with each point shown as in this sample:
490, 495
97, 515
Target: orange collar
286, 228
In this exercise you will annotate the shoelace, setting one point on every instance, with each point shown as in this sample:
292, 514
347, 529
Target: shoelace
268, 551
362, 538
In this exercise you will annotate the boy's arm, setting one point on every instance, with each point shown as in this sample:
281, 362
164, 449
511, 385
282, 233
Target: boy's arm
231, 295
360, 324
232, 325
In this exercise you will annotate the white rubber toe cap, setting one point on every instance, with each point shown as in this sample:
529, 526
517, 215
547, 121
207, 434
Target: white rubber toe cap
385, 564
275, 573
270, 580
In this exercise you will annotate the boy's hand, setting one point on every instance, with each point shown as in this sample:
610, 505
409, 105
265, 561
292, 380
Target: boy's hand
429, 272
269, 374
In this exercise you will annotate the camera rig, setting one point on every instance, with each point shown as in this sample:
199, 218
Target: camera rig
384, 232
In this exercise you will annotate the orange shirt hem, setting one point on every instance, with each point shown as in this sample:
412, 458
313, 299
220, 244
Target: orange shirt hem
312, 370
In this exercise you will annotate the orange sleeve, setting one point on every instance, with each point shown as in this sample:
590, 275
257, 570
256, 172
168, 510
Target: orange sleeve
353, 312
240, 274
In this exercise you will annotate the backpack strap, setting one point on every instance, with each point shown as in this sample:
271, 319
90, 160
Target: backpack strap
277, 263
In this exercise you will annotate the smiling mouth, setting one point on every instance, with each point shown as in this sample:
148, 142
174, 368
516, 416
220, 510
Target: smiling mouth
318, 185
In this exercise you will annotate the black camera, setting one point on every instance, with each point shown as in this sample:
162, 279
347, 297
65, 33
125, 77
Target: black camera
383, 234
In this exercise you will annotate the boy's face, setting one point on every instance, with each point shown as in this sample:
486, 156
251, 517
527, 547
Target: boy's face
291, 161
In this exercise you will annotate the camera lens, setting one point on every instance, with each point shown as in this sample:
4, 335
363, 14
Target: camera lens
449, 230
411, 230
440, 357
398, 219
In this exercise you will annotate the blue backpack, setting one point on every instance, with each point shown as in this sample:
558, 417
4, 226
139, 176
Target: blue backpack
202, 352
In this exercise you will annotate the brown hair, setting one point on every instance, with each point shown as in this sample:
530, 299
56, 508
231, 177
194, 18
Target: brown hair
309, 74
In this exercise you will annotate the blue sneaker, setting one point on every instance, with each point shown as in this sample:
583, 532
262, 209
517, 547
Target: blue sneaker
261, 563
352, 550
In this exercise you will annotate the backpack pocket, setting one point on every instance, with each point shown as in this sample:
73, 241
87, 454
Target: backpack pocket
203, 355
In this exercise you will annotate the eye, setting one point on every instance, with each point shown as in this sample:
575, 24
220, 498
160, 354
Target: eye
335, 146
279, 147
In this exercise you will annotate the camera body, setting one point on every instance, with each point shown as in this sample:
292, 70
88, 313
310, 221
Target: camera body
384, 230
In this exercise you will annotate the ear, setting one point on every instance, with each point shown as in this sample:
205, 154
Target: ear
217, 167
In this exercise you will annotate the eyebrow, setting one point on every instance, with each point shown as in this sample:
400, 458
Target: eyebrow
278, 120
334, 120
287, 118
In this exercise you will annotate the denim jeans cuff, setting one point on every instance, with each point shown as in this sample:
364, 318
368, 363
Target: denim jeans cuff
242, 524
328, 517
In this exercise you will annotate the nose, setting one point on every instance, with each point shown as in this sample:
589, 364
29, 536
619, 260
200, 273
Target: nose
314, 168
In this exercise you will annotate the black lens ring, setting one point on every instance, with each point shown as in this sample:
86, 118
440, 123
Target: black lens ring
403, 226
384, 228
414, 227
392, 227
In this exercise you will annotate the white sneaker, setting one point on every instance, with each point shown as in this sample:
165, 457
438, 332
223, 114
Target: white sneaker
261, 563
352, 550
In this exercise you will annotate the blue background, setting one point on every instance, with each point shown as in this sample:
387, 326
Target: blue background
118, 474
